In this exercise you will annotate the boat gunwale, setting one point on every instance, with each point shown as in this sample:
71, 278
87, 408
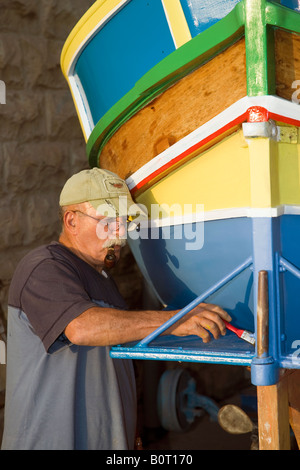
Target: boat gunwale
180, 63
165, 74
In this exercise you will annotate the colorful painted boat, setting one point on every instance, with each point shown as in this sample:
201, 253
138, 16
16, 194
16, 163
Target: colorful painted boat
196, 105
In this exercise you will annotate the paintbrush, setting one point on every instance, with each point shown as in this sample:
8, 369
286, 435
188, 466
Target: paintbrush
243, 334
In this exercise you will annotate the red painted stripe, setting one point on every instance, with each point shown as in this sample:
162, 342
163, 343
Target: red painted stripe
187, 152
253, 114
285, 119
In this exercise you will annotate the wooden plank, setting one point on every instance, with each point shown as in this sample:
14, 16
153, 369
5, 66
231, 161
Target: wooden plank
273, 417
184, 107
290, 385
272, 400
293, 381
194, 100
287, 51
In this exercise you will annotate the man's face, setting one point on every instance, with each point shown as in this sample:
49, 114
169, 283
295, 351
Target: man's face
96, 233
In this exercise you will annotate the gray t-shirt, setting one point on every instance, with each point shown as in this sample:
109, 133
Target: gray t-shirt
60, 396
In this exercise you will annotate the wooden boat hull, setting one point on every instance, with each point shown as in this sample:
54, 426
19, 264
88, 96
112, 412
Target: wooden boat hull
202, 120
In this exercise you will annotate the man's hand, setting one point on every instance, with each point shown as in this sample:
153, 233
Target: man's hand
201, 321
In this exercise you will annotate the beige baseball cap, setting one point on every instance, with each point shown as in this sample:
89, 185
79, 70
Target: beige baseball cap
104, 190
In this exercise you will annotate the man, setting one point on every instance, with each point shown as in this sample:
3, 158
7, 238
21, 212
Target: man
63, 389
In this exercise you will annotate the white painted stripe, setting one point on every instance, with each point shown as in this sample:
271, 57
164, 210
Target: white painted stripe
220, 214
252, 212
82, 105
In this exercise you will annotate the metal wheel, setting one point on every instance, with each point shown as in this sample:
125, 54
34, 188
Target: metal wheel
171, 399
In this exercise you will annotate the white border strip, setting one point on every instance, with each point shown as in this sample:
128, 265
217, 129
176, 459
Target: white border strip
273, 104
82, 105
252, 212
168, 221
219, 214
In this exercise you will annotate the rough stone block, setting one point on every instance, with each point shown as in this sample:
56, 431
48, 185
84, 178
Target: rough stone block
61, 118
42, 63
34, 64
53, 76
20, 15
22, 117
58, 18
13, 223
11, 69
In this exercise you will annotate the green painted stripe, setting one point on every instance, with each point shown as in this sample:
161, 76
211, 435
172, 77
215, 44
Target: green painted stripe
283, 17
260, 52
260, 44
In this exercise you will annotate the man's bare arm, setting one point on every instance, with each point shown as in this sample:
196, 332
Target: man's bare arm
108, 326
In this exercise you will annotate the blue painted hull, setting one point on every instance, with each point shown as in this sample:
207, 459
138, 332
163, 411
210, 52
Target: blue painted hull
178, 276
125, 50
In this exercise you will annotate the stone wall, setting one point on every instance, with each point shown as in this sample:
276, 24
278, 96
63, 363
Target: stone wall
41, 143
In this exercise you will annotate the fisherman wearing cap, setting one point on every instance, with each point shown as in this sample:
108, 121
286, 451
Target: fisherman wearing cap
63, 389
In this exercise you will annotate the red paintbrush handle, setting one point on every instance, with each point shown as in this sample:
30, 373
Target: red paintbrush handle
237, 331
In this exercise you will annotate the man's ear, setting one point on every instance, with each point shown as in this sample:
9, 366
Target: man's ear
70, 221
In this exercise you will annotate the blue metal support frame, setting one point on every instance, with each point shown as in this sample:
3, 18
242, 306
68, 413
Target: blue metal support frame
291, 361
284, 264
195, 302
226, 350
265, 370
266, 242
283, 352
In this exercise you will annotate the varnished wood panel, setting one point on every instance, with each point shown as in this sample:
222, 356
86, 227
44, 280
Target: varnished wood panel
184, 107
287, 51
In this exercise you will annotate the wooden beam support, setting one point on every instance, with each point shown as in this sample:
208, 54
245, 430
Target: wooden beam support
273, 417
292, 379
272, 400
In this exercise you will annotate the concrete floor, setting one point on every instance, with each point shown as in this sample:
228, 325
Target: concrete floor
205, 434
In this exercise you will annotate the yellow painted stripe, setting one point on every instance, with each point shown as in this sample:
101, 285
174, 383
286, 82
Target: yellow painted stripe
275, 173
83, 29
218, 178
263, 172
177, 22
258, 174
289, 172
